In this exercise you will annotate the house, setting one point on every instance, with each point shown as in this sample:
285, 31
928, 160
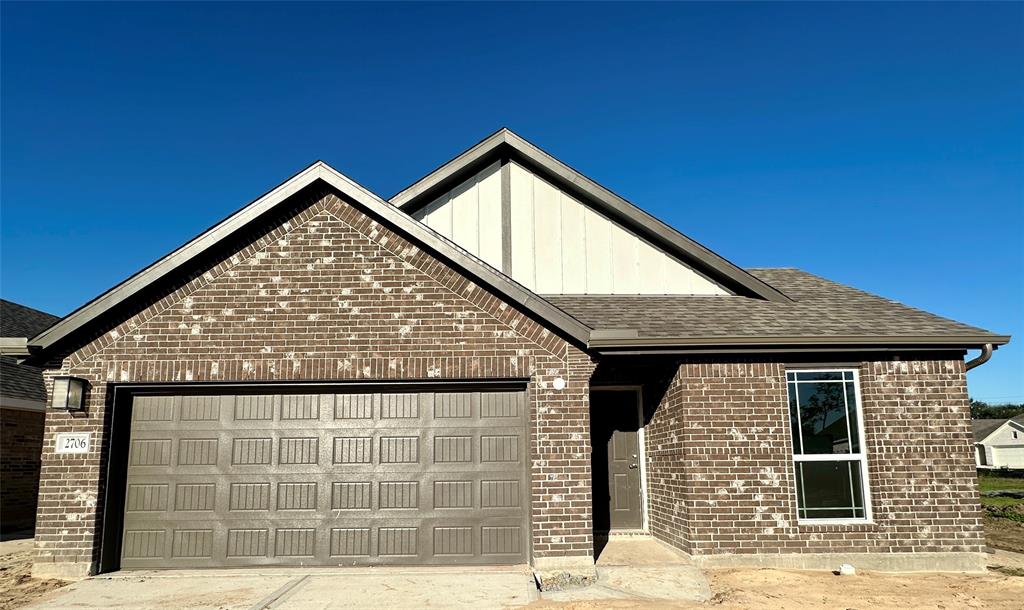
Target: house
22, 410
999, 443
498, 365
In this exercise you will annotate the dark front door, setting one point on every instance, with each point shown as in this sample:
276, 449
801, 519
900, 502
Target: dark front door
615, 425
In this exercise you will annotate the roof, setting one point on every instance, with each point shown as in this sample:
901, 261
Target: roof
821, 312
775, 306
983, 428
262, 208
18, 380
19, 321
504, 143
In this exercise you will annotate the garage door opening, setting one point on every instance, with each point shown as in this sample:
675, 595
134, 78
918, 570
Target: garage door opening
354, 476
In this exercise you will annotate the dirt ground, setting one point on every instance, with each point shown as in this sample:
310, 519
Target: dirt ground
17, 587
797, 589
1004, 534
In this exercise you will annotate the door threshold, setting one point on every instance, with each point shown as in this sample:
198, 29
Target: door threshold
623, 533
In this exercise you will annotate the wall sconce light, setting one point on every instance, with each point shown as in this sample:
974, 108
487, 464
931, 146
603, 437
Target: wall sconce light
68, 393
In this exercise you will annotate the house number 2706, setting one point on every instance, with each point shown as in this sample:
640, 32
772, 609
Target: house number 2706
77, 442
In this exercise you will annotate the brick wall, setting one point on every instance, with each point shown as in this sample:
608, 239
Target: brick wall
720, 476
21, 438
328, 294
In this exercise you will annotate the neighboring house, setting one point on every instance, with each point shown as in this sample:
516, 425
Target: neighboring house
22, 411
999, 443
501, 363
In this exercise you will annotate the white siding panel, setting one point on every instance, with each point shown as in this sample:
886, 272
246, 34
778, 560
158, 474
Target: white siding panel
624, 261
465, 211
651, 269
522, 226
440, 217
599, 252
677, 278
470, 215
574, 247
490, 216
547, 237
558, 245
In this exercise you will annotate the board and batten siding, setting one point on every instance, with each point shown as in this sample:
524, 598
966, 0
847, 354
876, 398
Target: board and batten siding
558, 245
470, 215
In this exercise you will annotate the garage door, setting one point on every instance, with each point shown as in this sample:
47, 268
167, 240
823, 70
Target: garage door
327, 479
1008, 457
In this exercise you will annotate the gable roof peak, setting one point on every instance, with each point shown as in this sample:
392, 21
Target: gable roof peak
113, 302
505, 144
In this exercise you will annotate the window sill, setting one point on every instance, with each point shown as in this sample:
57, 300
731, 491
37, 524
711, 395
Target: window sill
868, 523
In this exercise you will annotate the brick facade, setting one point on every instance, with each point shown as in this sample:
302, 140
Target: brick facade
327, 294
720, 472
21, 437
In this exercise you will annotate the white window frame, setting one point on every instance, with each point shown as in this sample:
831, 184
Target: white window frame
860, 457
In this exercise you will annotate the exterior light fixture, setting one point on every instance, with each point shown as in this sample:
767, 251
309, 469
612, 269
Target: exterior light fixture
68, 393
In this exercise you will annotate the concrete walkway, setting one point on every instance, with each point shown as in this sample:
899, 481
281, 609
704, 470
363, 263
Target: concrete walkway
303, 589
640, 569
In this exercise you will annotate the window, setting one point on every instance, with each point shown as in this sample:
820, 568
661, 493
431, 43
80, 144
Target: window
1014, 434
828, 445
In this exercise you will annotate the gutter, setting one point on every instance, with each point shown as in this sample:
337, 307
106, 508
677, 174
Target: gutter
986, 354
624, 339
14, 346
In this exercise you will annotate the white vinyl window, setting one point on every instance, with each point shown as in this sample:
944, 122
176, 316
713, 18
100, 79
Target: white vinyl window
828, 445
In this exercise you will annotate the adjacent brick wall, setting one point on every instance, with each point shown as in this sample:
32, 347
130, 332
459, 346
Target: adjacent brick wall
720, 476
21, 438
327, 295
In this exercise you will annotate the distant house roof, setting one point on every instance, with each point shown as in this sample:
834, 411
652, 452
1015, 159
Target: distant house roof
18, 381
821, 311
983, 428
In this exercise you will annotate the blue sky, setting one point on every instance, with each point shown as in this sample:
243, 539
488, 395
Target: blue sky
880, 145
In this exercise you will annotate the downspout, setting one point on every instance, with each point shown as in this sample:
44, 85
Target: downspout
986, 353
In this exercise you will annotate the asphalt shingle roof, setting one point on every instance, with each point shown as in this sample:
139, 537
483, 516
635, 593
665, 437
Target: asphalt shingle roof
984, 427
17, 380
820, 309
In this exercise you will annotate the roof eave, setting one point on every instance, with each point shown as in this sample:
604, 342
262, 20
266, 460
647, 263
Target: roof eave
606, 339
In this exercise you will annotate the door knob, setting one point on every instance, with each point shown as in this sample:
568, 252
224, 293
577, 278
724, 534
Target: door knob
632, 465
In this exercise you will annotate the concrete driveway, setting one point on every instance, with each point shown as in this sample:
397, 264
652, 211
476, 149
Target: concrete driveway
312, 589
631, 570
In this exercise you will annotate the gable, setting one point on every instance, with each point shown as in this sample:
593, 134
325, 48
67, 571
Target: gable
330, 289
561, 246
113, 307
684, 265
551, 242
1003, 434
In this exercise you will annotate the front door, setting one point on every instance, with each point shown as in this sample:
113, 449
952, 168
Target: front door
615, 426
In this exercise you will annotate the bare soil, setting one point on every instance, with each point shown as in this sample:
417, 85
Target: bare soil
736, 588
1002, 533
799, 589
17, 587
